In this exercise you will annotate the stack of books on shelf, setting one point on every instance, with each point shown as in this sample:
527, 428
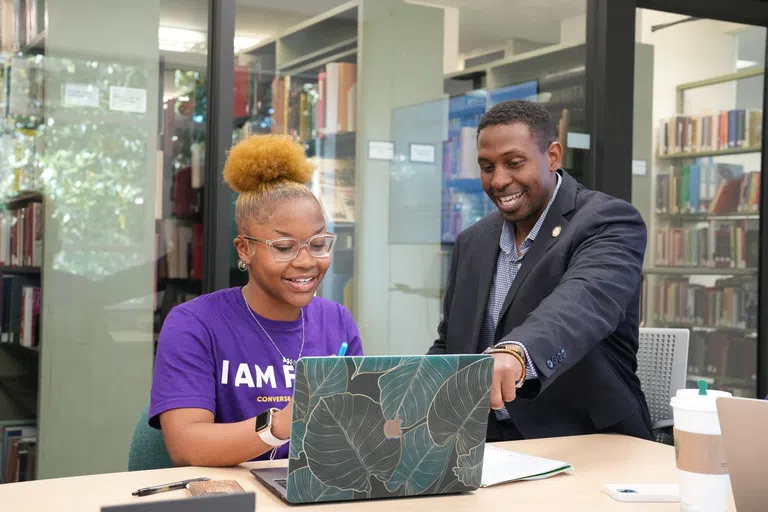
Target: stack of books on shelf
21, 236
711, 132
726, 245
20, 300
730, 303
19, 451
712, 188
707, 194
307, 107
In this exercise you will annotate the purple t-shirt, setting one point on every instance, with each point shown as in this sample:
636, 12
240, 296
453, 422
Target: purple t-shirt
213, 355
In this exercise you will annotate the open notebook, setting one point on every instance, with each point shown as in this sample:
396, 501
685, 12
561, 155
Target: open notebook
502, 466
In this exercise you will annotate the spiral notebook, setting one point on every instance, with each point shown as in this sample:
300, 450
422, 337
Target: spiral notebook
503, 466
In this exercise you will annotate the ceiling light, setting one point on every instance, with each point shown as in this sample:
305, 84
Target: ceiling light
193, 41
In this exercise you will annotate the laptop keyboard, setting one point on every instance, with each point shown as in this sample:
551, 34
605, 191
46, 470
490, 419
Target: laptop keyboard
282, 483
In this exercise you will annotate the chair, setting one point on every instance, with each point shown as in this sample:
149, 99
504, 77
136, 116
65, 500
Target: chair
148, 449
662, 366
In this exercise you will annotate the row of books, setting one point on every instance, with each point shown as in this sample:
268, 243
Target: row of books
20, 301
729, 303
722, 355
713, 188
21, 236
708, 131
19, 451
716, 244
312, 107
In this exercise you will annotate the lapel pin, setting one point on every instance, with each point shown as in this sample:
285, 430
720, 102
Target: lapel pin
556, 231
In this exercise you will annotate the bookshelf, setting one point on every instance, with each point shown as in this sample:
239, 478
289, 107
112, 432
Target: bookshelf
701, 268
22, 221
21, 254
303, 83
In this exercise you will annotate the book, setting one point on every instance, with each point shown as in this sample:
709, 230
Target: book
503, 466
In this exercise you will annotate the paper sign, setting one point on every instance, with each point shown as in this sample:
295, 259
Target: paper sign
639, 167
424, 153
128, 99
381, 150
81, 95
577, 140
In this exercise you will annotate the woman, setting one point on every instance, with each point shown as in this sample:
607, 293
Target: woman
224, 372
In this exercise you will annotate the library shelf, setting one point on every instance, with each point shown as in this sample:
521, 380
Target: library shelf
703, 271
703, 217
22, 198
745, 332
13, 269
715, 153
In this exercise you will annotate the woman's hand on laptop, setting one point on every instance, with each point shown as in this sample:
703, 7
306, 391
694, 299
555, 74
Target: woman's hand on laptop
281, 422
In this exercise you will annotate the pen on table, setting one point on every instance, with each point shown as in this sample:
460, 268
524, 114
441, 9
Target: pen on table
342, 349
145, 491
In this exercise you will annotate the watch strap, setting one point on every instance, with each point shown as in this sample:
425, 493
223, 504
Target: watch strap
268, 437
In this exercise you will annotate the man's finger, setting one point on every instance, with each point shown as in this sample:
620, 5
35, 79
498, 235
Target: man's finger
508, 380
497, 402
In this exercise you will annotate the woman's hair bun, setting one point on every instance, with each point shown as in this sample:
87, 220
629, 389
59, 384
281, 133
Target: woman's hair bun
260, 159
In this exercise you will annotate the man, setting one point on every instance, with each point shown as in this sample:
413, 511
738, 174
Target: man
550, 286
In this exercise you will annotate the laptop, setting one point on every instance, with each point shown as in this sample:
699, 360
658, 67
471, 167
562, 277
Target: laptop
369, 427
743, 424
241, 502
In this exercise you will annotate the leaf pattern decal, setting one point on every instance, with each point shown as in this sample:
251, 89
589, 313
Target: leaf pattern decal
315, 380
375, 364
408, 390
460, 408
308, 489
298, 429
345, 443
421, 464
469, 467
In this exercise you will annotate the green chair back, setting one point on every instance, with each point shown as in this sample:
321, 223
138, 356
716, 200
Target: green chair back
148, 449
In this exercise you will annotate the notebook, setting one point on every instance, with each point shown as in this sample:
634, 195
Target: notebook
503, 466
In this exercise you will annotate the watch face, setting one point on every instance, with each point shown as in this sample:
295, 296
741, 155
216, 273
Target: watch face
262, 420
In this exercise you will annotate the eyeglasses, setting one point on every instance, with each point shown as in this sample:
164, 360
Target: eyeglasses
286, 249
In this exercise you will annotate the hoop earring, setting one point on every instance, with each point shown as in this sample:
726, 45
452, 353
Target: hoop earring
242, 266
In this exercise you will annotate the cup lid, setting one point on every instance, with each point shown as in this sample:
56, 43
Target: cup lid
702, 399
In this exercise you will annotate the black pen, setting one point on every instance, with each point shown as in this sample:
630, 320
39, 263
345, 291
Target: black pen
167, 487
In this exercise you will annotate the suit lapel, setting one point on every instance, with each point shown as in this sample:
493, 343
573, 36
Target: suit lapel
486, 255
564, 204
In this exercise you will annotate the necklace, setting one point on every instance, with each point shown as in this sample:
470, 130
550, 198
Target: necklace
286, 360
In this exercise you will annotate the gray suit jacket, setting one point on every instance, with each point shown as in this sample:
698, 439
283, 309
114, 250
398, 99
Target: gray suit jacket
574, 305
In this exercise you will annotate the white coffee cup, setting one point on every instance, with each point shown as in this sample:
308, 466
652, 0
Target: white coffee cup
699, 453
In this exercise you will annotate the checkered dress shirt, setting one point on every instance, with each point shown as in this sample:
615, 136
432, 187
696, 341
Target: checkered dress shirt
507, 266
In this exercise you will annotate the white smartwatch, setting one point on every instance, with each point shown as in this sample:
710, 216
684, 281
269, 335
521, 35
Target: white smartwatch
264, 428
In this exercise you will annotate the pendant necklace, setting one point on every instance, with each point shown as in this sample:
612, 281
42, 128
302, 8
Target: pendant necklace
286, 360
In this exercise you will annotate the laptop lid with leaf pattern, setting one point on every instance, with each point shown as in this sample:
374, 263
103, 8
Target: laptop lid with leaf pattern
381, 426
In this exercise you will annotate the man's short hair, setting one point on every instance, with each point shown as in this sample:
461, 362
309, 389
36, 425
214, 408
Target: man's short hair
533, 115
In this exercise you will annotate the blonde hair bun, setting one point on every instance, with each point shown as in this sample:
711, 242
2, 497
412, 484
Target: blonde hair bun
260, 160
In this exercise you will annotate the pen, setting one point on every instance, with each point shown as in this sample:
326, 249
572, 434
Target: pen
342, 349
146, 491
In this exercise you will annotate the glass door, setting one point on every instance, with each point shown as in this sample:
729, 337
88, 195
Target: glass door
696, 179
